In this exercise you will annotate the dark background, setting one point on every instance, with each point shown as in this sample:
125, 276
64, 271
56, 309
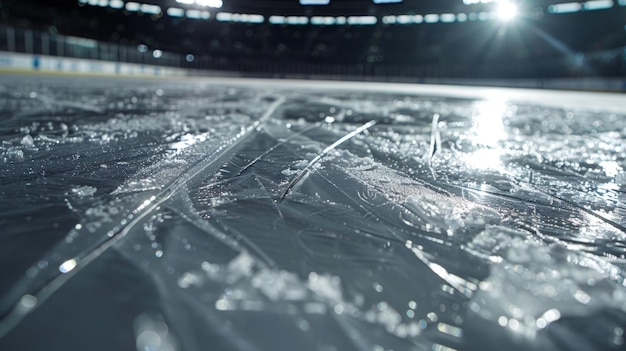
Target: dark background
537, 44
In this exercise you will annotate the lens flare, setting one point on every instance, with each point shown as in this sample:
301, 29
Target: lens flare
506, 11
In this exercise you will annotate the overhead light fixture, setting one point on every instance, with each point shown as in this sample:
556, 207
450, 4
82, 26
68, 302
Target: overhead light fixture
431, 18
205, 3
447, 17
506, 11
362, 20
567, 7
314, 2
132, 6
598, 4
323, 20
175, 12
239, 17
150, 9
116, 4
197, 14
216, 4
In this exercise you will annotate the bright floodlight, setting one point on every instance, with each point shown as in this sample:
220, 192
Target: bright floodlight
205, 3
210, 3
314, 2
506, 11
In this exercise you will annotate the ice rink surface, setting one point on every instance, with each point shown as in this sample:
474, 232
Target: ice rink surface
214, 214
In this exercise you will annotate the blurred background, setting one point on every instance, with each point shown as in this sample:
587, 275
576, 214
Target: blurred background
383, 40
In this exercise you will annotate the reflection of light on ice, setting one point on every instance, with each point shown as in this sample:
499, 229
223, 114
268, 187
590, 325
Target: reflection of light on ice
609, 192
152, 333
548, 317
485, 159
439, 347
488, 128
28, 301
450, 330
186, 141
611, 168
67, 265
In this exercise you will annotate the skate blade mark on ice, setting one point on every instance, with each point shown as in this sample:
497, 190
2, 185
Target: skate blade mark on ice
44, 289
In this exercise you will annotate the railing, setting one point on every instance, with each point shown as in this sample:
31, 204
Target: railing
41, 43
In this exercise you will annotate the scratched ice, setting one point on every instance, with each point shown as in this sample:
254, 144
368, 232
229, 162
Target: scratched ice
176, 215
